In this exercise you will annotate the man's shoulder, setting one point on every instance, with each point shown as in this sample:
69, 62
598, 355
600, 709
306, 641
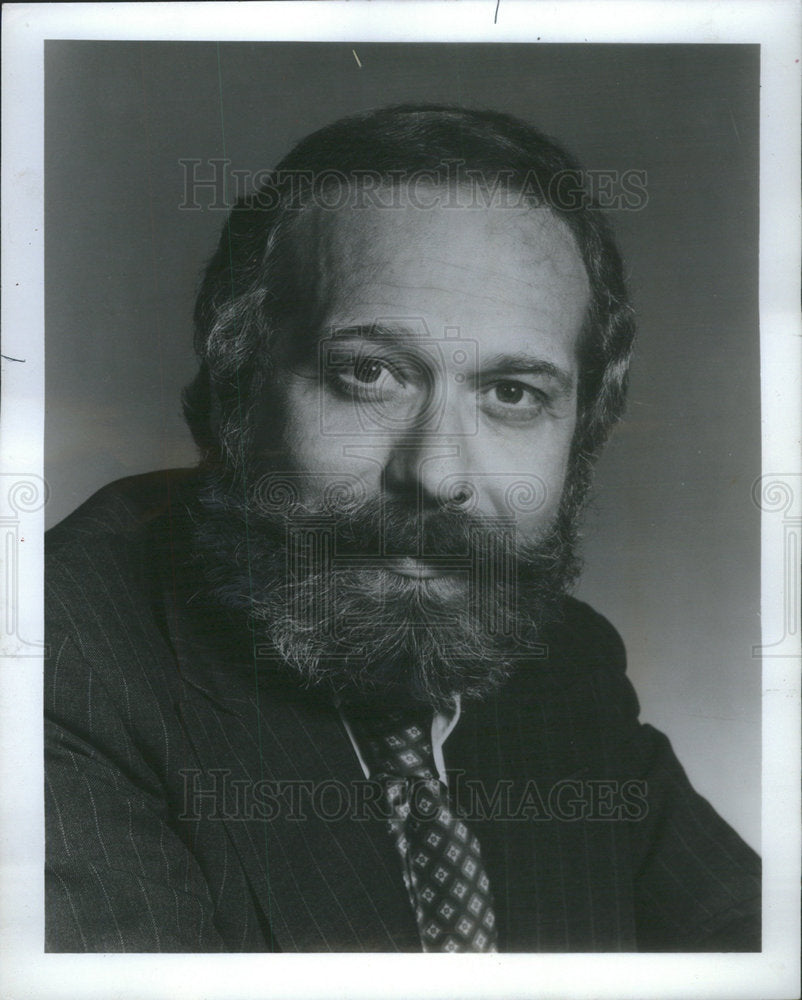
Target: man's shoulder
581, 660
119, 509
105, 555
582, 635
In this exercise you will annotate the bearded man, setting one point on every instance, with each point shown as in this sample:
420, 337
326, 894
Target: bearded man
328, 692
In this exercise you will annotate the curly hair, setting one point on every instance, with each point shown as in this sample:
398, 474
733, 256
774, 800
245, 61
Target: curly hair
249, 294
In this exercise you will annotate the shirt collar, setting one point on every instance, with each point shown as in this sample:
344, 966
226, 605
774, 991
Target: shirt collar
443, 724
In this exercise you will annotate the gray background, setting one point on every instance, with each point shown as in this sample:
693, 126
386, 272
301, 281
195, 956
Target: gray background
672, 546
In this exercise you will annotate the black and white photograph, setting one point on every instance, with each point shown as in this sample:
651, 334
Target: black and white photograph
410, 554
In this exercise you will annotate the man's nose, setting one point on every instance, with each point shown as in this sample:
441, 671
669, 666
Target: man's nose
430, 463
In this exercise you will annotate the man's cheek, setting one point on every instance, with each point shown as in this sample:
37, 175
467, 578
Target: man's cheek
529, 499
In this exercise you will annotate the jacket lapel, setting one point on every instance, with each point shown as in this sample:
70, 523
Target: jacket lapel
528, 759
320, 862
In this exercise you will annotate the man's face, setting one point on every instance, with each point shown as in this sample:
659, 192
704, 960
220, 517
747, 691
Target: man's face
419, 425
446, 359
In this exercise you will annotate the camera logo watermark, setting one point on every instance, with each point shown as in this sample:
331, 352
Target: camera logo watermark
395, 383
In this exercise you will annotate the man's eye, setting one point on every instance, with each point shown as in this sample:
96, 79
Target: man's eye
368, 370
510, 392
367, 377
513, 400
516, 394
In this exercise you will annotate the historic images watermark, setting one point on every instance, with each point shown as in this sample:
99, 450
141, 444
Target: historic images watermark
218, 795
212, 185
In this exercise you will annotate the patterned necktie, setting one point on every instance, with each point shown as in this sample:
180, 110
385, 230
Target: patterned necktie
442, 863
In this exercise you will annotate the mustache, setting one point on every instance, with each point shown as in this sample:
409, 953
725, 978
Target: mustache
290, 539
379, 526
391, 528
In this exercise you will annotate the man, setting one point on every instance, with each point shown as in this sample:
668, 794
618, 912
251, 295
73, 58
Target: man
327, 692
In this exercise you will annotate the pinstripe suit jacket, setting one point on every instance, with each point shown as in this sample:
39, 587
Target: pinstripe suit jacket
194, 799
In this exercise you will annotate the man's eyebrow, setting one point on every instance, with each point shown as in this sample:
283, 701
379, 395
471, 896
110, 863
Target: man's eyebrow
527, 364
372, 331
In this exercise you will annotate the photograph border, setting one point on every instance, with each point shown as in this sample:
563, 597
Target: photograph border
27, 970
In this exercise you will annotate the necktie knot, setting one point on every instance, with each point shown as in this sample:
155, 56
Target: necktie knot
396, 746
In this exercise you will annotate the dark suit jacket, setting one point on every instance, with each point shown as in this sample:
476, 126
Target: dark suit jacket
194, 795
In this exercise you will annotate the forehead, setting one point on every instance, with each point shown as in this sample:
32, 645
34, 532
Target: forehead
496, 274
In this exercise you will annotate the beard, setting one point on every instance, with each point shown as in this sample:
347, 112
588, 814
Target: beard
318, 588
